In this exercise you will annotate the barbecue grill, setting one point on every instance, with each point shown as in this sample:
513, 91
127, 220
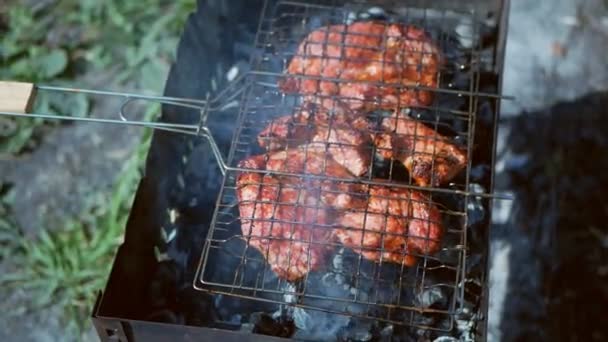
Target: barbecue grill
185, 260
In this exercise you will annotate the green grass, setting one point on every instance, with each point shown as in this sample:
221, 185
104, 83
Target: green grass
136, 40
68, 267
60, 42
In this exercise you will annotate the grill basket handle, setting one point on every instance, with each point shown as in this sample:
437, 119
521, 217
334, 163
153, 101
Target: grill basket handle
17, 99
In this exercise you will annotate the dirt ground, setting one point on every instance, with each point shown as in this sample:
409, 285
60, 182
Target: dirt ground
78, 160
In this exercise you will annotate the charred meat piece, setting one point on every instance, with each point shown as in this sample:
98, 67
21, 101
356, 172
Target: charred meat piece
308, 159
430, 158
284, 222
348, 146
313, 160
345, 136
286, 131
366, 63
395, 224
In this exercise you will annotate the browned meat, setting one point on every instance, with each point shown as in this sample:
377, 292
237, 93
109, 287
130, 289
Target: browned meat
306, 160
286, 131
284, 222
349, 147
430, 158
351, 60
393, 225
313, 160
342, 134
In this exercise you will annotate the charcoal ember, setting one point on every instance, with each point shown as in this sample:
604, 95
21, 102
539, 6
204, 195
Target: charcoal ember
423, 320
445, 324
465, 321
430, 297
357, 331
387, 332
473, 290
161, 290
445, 339
474, 263
318, 326
266, 325
475, 207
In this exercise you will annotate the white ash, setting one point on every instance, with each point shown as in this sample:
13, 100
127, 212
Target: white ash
466, 326
180, 181
338, 260
359, 332
445, 339
163, 234
302, 319
289, 291
232, 73
376, 11
325, 279
429, 297
351, 18
464, 29
362, 336
168, 237
387, 332
173, 215
161, 256
318, 325
172, 234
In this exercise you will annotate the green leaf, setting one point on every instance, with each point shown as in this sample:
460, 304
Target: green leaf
153, 75
18, 141
76, 105
22, 70
53, 63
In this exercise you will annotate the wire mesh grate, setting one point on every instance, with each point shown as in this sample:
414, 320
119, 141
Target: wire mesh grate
335, 198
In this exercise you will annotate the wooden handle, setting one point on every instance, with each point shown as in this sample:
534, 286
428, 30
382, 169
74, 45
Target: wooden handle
16, 97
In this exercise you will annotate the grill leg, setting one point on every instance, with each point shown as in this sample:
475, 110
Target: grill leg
107, 329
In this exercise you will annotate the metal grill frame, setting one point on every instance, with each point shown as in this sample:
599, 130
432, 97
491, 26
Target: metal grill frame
258, 83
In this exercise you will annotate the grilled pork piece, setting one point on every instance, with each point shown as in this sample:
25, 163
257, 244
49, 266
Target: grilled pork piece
287, 218
367, 64
284, 220
313, 160
394, 224
284, 223
430, 158
344, 135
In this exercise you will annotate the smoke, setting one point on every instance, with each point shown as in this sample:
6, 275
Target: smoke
349, 285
